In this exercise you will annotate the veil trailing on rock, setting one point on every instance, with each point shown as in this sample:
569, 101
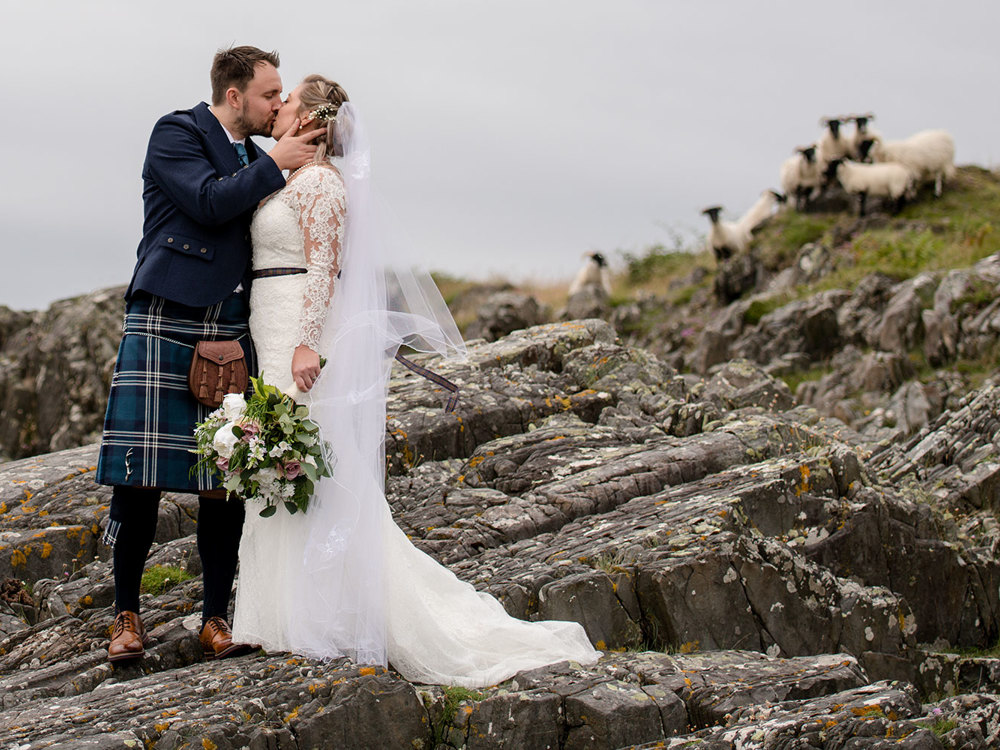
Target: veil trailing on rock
380, 303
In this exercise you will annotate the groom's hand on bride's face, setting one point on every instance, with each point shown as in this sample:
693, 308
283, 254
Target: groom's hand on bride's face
292, 150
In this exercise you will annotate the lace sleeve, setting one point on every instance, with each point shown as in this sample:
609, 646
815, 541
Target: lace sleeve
318, 193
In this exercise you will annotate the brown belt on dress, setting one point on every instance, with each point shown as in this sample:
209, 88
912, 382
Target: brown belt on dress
263, 273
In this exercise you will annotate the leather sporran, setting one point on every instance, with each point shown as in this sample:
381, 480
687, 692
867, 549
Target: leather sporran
217, 368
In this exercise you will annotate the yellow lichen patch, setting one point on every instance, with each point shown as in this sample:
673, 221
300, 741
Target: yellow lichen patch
292, 715
475, 461
293, 662
43, 512
18, 558
72, 533
167, 714
689, 647
28, 494
39, 535
3, 507
29, 508
365, 671
87, 600
208, 744
162, 727
600, 645
95, 529
46, 550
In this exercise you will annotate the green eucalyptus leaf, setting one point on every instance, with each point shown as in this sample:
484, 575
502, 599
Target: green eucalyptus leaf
269, 511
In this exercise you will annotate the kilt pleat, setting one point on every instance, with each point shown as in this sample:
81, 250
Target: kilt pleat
149, 426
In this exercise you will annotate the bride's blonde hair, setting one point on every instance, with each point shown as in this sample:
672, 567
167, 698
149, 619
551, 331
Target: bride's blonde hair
319, 92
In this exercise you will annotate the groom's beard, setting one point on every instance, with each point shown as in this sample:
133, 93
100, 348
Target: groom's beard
250, 127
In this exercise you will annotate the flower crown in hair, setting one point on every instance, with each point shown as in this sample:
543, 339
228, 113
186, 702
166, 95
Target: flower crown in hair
324, 112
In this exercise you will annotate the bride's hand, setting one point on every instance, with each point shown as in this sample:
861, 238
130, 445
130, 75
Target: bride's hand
292, 151
305, 367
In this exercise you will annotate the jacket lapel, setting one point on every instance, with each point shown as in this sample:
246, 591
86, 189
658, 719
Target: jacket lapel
216, 137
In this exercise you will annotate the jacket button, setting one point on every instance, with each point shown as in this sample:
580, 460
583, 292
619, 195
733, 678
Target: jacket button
170, 239
187, 246
204, 250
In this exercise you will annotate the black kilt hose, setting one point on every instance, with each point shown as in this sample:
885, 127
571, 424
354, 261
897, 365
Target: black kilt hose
149, 426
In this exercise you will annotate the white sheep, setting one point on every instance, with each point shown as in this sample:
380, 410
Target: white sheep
594, 273
833, 144
862, 132
727, 238
929, 155
801, 176
880, 180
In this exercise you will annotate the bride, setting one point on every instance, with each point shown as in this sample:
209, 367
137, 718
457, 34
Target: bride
342, 579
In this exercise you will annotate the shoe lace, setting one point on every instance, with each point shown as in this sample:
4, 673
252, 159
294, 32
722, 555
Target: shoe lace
218, 625
121, 621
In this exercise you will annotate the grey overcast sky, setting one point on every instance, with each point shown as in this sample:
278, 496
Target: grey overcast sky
509, 137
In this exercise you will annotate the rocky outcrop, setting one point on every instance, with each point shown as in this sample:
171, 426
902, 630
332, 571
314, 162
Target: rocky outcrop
503, 313
758, 574
55, 372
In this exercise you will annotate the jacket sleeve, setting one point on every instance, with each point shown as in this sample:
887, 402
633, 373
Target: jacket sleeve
177, 161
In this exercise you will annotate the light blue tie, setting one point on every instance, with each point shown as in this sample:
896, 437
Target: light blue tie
241, 153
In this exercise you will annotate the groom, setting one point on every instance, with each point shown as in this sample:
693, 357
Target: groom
202, 179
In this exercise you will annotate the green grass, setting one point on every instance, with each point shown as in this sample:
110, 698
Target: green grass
794, 379
761, 307
160, 578
940, 727
781, 239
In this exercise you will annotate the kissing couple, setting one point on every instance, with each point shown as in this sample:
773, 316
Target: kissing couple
293, 267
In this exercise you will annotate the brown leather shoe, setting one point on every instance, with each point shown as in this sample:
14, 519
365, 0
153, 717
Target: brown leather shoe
128, 638
217, 640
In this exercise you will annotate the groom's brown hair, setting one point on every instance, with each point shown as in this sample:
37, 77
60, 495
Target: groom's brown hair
235, 67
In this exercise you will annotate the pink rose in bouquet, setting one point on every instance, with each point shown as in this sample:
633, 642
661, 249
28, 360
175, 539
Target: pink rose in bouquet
291, 469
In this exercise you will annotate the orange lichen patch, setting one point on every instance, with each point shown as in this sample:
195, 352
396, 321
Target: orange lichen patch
293, 662
804, 487
29, 508
95, 529
87, 600
19, 558
689, 647
475, 461
39, 535
161, 728
3, 507
868, 712
600, 645
28, 494
208, 744
461, 424
292, 715
46, 550
366, 671
73, 532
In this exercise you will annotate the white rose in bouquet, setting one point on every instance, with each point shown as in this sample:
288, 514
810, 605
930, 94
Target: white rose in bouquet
234, 406
225, 440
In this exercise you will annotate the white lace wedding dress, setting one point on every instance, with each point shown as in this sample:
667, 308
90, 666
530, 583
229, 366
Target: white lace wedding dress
436, 628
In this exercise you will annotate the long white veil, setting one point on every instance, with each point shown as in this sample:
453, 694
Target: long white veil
379, 304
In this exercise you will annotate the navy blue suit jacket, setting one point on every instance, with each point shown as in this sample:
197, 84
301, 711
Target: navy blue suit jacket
198, 203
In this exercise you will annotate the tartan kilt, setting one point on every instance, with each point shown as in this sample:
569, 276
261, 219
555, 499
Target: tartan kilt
149, 426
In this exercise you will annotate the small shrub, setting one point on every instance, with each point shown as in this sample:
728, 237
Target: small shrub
160, 578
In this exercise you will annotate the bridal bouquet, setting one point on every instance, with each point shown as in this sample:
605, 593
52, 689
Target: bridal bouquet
265, 448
